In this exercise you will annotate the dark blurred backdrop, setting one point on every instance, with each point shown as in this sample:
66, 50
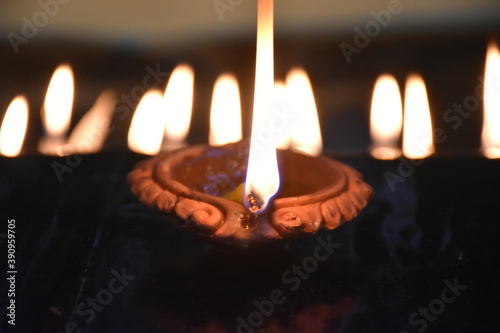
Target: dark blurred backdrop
110, 43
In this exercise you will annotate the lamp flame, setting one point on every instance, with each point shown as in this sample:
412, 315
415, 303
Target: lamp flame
89, 134
306, 132
282, 100
59, 101
56, 112
386, 118
146, 130
417, 127
262, 179
225, 114
14, 126
178, 103
491, 126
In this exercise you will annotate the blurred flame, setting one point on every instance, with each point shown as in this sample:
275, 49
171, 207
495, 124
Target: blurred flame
263, 180
282, 99
417, 128
178, 101
491, 125
89, 134
386, 118
14, 126
225, 114
56, 111
306, 134
146, 130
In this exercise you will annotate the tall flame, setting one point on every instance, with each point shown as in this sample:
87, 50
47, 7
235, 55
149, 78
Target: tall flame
262, 181
14, 126
225, 114
306, 132
56, 112
178, 101
386, 118
491, 125
146, 130
417, 128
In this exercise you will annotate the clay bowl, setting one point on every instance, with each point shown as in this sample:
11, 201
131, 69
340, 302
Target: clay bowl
316, 193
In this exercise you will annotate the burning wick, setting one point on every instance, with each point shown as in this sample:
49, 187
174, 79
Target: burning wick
262, 175
255, 202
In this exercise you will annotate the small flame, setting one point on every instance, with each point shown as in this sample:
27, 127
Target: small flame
89, 134
56, 112
306, 132
417, 128
263, 180
491, 125
146, 130
386, 118
14, 126
225, 114
178, 101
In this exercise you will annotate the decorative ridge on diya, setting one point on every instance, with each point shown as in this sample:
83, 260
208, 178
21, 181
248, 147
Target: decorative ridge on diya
199, 185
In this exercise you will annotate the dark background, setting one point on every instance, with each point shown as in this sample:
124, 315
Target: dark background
450, 66
440, 222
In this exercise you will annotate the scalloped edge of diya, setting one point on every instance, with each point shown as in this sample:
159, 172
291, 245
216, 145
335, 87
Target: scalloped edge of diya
176, 182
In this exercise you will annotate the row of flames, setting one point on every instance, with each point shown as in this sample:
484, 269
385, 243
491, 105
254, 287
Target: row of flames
387, 122
162, 119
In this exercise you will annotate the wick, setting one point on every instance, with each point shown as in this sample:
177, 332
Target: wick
255, 202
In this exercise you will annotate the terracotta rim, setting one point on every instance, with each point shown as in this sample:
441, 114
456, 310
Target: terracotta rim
343, 195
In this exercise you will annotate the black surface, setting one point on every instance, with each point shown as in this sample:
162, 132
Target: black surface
440, 223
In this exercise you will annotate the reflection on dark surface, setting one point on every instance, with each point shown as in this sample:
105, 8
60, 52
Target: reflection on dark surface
91, 257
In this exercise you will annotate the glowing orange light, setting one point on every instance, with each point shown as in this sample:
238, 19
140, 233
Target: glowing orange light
282, 100
14, 126
386, 118
417, 127
89, 134
306, 132
491, 125
56, 112
225, 114
263, 180
178, 104
146, 130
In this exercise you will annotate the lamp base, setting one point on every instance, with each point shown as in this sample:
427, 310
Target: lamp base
316, 193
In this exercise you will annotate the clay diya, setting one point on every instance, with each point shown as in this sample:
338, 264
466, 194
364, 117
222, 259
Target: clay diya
201, 185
